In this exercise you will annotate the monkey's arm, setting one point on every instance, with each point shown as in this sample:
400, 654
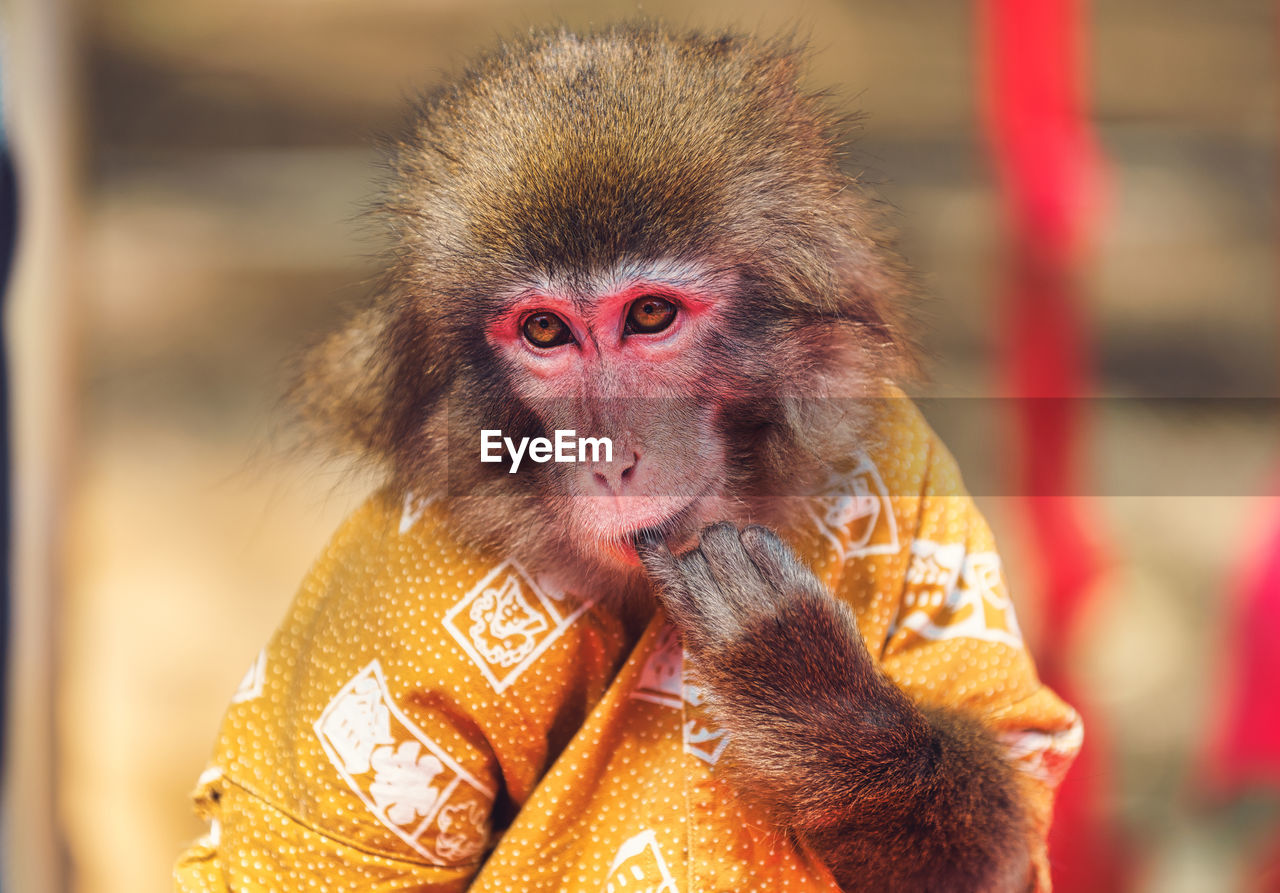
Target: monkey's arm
891, 796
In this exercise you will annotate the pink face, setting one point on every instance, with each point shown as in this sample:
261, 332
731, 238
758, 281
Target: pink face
619, 363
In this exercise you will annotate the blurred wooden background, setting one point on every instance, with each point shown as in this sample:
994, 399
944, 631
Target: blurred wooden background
221, 155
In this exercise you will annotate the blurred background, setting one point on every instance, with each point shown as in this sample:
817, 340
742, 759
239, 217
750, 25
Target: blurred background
192, 176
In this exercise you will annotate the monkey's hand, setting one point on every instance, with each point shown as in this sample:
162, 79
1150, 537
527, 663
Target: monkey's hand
892, 796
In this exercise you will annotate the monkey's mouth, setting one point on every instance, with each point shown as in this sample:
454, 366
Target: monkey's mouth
677, 531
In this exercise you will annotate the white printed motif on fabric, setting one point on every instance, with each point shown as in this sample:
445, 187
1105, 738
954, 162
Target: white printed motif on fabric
662, 677
507, 621
211, 775
639, 867
702, 737
412, 509
856, 504
409, 783
250, 686
662, 681
950, 595
1045, 756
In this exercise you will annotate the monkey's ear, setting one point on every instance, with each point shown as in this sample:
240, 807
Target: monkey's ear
342, 383
367, 387
880, 296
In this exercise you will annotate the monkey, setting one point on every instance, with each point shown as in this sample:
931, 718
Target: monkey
761, 640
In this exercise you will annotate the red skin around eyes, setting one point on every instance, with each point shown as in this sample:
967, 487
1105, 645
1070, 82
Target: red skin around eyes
599, 337
659, 476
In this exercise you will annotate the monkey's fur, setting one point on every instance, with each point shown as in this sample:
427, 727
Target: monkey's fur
891, 796
563, 155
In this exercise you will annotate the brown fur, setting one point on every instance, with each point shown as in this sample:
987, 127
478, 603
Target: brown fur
894, 798
560, 156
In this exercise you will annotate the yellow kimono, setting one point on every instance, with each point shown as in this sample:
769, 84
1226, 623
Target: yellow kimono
428, 718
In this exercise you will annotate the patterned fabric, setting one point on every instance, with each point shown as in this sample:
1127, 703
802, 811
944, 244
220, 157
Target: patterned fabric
433, 719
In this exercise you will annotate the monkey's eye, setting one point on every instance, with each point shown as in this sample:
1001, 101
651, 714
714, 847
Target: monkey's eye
649, 314
545, 330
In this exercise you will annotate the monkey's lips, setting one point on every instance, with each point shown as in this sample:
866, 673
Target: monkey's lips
677, 531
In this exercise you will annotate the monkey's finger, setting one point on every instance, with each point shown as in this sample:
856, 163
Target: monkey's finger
775, 561
744, 589
728, 559
655, 557
686, 589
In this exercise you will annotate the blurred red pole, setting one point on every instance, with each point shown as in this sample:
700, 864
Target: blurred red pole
1051, 176
1245, 744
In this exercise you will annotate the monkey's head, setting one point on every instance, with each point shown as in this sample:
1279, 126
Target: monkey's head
635, 235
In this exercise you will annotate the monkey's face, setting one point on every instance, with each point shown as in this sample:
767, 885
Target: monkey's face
638, 236
631, 358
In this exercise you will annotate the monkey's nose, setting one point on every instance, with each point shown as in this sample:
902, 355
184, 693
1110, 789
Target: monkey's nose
614, 477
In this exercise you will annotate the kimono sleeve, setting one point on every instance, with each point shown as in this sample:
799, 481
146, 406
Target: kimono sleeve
405, 709
955, 641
